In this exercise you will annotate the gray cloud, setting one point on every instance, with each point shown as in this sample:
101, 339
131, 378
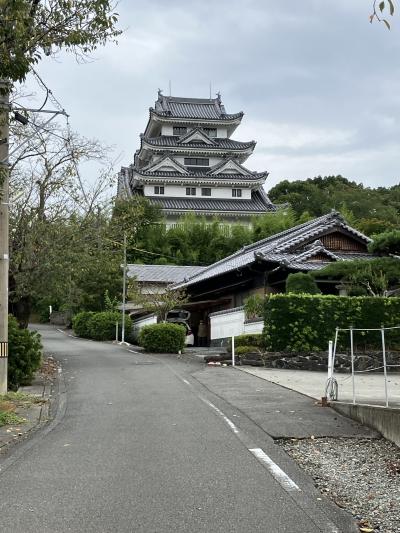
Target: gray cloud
319, 85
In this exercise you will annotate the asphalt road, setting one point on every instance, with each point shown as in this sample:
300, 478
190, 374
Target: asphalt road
139, 444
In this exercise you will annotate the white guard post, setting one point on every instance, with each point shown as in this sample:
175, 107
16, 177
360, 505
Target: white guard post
384, 365
116, 330
233, 350
331, 389
352, 364
330, 360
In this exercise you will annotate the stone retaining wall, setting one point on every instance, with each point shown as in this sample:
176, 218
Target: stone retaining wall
319, 361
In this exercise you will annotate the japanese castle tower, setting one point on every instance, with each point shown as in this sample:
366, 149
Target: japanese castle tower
187, 162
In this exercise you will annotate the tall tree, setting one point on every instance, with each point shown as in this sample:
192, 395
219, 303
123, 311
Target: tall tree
31, 28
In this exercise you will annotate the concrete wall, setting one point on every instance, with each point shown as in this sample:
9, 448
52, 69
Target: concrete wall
383, 419
254, 326
61, 318
224, 324
138, 324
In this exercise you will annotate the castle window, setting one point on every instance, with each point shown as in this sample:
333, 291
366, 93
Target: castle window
206, 191
237, 193
211, 132
158, 189
190, 191
197, 161
179, 130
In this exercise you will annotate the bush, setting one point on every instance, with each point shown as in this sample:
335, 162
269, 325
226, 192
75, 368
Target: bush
300, 283
25, 354
102, 325
80, 324
243, 350
254, 306
250, 339
166, 338
295, 322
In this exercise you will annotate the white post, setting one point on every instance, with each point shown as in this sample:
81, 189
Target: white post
233, 350
50, 309
330, 359
116, 330
352, 363
334, 347
384, 366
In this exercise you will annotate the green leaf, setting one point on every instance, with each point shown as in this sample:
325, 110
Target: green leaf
391, 6
387, 24
382, 6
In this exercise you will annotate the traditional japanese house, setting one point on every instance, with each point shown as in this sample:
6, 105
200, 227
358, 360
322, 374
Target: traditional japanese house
263, 267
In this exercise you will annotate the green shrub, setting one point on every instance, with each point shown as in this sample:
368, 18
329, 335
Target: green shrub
80, 324
164, 338
102, 325
249, 339
254, 306
243, 350
295, 322
25, 354
300, 283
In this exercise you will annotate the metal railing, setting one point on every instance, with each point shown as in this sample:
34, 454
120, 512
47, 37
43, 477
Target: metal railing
331, 388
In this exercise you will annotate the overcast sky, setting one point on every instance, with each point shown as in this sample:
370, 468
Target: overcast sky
319, 85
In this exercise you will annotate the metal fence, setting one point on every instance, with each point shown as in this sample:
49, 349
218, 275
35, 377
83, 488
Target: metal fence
331, 389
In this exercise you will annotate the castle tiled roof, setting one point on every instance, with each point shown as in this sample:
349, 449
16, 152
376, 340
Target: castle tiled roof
259, 203
201, 175
218, 143
193, 108
281, 248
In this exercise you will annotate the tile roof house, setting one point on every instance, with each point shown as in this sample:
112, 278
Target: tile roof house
155, 278
188, 162
265, 265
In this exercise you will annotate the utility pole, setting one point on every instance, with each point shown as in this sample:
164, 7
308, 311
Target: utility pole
4, 246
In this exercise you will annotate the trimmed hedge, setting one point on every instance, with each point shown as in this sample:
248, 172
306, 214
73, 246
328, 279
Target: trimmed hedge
248, 339
80, 323
162, 338
243, 350
100, 326
25, 354
301, 323
301, 283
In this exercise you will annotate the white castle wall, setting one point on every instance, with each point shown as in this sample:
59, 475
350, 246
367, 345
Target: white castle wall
179, 191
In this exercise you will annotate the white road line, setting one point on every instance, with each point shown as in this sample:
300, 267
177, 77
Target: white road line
185, 381
227, 420
283, 479
133, 351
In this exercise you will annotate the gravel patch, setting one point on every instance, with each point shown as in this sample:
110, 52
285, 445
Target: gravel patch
360, 475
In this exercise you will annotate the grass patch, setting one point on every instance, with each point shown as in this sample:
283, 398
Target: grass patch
21, 399
7, 418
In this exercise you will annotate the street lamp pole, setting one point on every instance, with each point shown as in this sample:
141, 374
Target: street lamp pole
124, 295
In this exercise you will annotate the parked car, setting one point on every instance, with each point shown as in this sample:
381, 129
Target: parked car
181, 316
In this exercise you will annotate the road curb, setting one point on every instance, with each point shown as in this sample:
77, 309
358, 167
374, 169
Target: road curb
16, 450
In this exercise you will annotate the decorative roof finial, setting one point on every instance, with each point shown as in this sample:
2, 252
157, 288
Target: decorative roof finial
159, 94
219, 97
